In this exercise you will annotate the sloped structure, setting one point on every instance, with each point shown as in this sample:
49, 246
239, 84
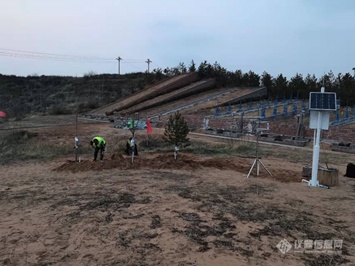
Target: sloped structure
147, 93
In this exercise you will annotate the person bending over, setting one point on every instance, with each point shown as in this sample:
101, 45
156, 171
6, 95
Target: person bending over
99, 144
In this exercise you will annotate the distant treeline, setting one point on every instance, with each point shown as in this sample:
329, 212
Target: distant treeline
278, 87
20, 96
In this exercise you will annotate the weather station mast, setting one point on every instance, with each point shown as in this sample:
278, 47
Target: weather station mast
320, 106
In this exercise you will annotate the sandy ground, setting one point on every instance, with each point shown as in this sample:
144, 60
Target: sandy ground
194, 211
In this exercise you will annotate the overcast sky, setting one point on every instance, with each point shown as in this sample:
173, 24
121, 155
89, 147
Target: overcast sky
277, 36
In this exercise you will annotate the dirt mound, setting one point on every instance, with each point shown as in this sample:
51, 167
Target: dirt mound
184, 162
155, 161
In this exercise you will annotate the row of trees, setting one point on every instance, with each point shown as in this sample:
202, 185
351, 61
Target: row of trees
278, 87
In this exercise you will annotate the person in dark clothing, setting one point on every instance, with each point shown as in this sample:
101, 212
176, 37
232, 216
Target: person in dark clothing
130, 143
99, 144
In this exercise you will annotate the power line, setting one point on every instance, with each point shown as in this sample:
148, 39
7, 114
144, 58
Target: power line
64, 59
31, 54
135, 61
156, 65
54, 55
43, 57
133, 66
70, 58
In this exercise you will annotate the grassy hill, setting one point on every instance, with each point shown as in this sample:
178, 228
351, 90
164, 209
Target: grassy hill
20, 96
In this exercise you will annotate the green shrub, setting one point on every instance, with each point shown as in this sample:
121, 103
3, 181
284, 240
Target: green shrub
176, 131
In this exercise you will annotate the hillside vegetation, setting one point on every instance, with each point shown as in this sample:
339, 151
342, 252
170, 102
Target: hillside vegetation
20, 96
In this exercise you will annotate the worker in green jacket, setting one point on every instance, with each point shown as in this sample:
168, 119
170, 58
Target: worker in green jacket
99, 144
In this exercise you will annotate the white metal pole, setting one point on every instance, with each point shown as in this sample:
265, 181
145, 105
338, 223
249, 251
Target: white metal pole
314, 138
314, 181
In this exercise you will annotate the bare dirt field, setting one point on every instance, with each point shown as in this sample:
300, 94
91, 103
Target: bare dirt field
198, 210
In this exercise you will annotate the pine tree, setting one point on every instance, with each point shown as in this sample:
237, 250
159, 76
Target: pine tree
176, 131
192, 67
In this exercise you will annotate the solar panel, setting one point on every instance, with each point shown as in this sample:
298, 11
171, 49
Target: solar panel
322, 101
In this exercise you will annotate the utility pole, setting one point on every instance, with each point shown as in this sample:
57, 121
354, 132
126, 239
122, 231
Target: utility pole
119, 64
148, 62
